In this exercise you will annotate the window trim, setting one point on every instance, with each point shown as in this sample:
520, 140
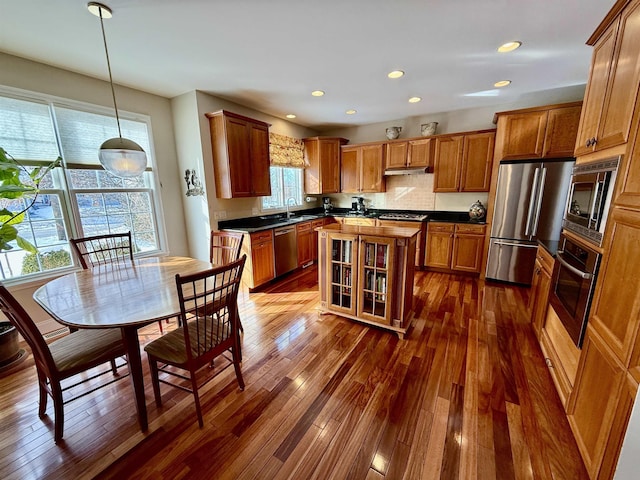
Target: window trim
283, 206
73, 227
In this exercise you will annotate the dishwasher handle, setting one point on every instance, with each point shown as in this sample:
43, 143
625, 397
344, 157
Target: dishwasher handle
283, 231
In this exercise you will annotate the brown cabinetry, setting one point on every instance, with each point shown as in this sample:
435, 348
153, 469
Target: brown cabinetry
542, 132
260, 265
315, 224
540, 286
455, 246
362, 168
613, 84
367, 277
305, 234
240, 147
322, 164
462, 163
413, 153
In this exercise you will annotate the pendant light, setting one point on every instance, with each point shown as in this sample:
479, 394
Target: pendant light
120, 156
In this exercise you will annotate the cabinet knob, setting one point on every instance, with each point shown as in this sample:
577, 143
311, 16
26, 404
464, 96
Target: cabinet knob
548, 362
594, 140
588, 143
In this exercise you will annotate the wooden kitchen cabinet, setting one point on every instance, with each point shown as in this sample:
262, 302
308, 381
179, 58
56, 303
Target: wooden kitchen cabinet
455, 246
260, 264
315, 224
422, 226
540, 287
322, 159
539, 132
362, 168
366, 273
240, 147
305, 234
412, 153
614, 80
462, 163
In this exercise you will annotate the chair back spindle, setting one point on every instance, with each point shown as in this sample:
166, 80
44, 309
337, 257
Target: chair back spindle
102, 249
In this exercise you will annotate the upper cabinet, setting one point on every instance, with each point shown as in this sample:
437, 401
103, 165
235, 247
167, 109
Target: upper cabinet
463, 162
240, 155
613, 83
414, 153
322, 160
540, 132
362, 168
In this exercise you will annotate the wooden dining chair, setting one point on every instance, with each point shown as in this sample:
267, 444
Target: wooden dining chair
64, 358
92, 252
208, 303
225, 247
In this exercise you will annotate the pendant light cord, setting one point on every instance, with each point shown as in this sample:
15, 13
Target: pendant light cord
113, 92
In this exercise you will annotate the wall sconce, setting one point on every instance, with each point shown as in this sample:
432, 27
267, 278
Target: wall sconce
194, 185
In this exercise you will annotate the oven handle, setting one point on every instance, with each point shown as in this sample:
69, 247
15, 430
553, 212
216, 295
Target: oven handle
512, 244
573, 269
595, 208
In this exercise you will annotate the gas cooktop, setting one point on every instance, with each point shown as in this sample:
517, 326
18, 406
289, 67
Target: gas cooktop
403, 216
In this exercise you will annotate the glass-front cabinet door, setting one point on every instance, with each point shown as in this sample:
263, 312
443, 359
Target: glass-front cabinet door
376, 278
342, 275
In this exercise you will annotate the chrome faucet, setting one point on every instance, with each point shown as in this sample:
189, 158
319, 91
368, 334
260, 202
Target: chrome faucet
287, 205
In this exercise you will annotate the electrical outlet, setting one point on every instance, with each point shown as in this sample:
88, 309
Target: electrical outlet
254, 211
216, 216
222, 214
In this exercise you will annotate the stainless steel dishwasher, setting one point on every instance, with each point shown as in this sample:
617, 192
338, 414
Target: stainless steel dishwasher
285, 249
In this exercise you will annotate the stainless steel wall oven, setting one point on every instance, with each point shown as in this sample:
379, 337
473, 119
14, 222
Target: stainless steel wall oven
574, 278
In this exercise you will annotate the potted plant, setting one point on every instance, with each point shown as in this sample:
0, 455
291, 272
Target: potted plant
15, 182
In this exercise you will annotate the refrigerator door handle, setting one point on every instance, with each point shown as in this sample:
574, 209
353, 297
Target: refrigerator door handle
532, 201
512, 244
543, 178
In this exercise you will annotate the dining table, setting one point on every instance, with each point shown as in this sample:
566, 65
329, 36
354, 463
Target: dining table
125, 295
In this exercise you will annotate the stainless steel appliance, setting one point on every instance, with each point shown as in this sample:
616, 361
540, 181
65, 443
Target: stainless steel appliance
402, 216
326, 204
530, 202
589, 199
574, 277
285, 245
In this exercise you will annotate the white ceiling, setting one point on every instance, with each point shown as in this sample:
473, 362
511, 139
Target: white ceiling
270, 54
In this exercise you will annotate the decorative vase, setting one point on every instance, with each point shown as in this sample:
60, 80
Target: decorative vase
477, 211
9, 348
428, 129
393, 132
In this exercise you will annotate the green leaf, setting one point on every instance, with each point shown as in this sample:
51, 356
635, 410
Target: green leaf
8, 233
26, 245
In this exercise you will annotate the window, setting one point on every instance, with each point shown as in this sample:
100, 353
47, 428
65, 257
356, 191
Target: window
286, 186
80, 199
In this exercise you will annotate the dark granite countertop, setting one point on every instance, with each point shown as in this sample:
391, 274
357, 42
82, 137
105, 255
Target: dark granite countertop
550, 246
265, 222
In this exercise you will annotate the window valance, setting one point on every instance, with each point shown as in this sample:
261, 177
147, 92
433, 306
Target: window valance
286, 151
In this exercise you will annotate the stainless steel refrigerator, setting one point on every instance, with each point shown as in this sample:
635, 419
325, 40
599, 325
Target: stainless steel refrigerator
530, 201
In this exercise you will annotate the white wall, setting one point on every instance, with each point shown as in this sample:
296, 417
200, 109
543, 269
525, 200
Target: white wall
629, 461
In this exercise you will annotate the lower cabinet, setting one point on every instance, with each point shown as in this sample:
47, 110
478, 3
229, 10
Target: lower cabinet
601, 405
314, 236
260, 265
455, 246
540, 287
305, 234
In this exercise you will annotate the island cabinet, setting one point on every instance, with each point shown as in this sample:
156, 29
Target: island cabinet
455, 246
362, 168
260, 264
322, 164
366, 274
420, 239
539, 132
463, 162
414, 153
240, 147
614, 80
540, 286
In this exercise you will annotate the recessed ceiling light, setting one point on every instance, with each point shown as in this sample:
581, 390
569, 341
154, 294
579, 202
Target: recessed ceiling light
290, 115
317, 93
351, 112
97, 8
395, 74
414, 99
509, 47
502, 83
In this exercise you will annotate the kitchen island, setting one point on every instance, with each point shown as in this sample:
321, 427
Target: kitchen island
366, 273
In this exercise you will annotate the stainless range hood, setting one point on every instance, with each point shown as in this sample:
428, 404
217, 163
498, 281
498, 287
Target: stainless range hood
406, 171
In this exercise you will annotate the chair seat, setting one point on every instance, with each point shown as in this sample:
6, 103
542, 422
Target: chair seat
171, 347
86, 348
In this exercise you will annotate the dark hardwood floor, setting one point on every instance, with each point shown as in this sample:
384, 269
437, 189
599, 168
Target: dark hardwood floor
466, 395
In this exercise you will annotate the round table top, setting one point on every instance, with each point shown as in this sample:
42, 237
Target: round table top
119, 294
